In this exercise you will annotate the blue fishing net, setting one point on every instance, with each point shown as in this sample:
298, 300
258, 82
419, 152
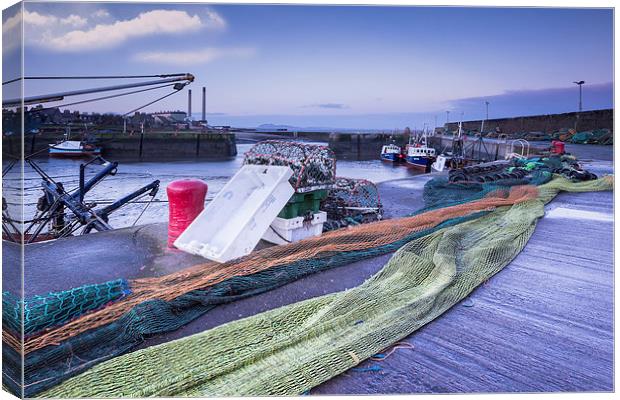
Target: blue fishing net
56, 308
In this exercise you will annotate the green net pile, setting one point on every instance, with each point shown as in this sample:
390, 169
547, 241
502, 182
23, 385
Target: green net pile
291, 349
441, 192
597, 136
565, 165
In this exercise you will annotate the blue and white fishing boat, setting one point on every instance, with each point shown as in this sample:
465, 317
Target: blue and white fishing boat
420, 156
391, 153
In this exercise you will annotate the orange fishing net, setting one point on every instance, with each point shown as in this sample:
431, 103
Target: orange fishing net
204, 275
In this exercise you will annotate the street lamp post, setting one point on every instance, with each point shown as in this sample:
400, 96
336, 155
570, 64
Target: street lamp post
487, 104
447, 117
579, 83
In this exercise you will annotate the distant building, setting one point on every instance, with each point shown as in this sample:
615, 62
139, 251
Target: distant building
167, 118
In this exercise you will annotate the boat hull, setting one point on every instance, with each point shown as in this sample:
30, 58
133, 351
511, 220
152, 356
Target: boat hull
391, 157
419, 162
74, 153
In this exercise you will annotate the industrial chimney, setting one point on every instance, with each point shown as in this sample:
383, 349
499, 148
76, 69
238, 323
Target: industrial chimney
189, 104
204, 105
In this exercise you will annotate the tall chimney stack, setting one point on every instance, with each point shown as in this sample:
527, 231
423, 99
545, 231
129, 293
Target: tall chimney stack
189, 103
204, 104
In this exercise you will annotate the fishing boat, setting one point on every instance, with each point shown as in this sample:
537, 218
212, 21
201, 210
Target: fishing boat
420, 155
391, 153
73, 148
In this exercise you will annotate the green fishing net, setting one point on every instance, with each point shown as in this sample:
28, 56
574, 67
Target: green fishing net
294, 348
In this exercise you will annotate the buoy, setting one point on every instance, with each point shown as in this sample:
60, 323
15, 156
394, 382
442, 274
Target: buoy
186, 199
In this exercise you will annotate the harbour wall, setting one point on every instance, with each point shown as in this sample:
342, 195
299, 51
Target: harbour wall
171, 146
580, 121
151, 146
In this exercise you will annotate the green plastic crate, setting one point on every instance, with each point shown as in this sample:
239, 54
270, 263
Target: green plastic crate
303, 203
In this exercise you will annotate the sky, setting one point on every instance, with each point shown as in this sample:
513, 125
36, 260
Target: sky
324, 66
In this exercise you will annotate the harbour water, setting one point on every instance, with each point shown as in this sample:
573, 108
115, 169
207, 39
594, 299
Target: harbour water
132, 175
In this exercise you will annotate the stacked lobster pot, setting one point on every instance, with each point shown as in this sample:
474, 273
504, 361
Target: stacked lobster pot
314, 174
352, 202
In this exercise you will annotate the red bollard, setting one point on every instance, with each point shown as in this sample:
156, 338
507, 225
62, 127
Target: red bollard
558, 146
186, 199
